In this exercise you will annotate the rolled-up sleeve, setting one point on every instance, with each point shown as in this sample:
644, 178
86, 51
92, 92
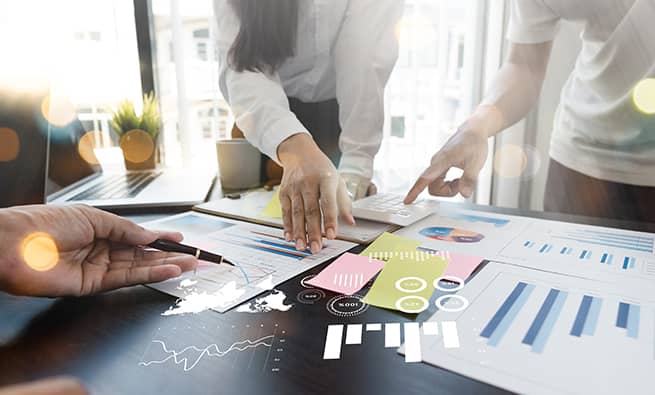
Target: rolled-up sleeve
532, 22
258, 101
364, 54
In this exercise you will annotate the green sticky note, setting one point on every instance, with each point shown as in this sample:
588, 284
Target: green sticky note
388, 246
273, 210
406, 284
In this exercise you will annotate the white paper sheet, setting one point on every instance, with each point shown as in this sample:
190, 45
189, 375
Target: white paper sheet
263, 261
466, 231
597, 350
250, 206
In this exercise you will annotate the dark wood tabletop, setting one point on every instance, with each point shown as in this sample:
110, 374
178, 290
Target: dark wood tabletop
119, 343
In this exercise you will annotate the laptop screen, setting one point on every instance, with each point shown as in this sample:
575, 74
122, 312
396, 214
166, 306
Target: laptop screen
70, 156
45, 148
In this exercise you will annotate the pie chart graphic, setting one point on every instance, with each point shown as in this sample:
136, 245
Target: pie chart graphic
452, 235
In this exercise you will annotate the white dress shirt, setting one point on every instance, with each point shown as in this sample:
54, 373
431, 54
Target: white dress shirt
346, 49
598, 130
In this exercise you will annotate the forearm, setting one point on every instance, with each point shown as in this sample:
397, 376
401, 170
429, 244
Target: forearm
514, 91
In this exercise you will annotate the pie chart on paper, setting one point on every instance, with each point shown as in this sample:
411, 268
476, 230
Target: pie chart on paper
452, 235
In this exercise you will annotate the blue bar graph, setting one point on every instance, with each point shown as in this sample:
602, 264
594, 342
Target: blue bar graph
622, 315
628, 318
611, 239
541, 327
581, 317
633, 321
506, 314
628, 263
592, 318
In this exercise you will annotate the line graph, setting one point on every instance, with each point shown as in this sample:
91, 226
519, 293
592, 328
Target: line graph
213, 350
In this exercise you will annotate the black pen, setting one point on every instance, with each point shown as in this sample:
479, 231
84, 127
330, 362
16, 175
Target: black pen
171, 246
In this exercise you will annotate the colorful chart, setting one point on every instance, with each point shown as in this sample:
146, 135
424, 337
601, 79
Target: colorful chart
452, 235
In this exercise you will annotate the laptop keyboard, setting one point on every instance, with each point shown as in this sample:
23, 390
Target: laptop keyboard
119, 186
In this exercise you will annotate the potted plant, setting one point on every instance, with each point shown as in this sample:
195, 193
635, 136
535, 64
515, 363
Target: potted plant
138, 133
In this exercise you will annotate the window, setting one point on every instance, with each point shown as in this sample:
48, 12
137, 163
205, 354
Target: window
194, 112
398, 127
86, 51
427, 95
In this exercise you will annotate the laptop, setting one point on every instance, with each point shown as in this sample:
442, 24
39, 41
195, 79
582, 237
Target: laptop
71, 178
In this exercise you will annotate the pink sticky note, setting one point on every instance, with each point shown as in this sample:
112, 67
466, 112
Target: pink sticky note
348, 274
460, 265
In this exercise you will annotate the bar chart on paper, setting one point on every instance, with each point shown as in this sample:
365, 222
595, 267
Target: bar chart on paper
262, 258
527, 331
593, 252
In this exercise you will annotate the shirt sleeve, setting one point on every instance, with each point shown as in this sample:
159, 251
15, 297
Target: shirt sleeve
364, 56
258, 101
532, 22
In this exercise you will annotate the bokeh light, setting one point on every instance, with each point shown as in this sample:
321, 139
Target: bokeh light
414, 30
86, 147
58, 110
9, 145
137, 146
513, 161
644, 96
510, 161
40, 252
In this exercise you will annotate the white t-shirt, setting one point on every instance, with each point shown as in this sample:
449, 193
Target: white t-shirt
598, 129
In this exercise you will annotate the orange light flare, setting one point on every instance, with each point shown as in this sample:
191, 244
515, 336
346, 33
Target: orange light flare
58, 110
9, 145
137, 146
40, 252
86, 146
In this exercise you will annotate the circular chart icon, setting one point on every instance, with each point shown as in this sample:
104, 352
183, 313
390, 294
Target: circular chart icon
452, 235
412, 304
411, 284
346, 306
310, 296
304, 280
452, 303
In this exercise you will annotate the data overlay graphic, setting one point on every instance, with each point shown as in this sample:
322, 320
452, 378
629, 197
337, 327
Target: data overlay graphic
261, 345
336, 338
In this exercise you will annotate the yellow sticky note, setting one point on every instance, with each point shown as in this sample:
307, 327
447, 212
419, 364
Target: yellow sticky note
388, 246
273, 209
406, 284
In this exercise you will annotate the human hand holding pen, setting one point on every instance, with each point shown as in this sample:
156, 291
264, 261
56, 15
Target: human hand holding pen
80, 250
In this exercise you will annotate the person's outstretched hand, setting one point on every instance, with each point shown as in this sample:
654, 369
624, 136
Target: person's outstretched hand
53, 386
466, 150
311, 190
79, 250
